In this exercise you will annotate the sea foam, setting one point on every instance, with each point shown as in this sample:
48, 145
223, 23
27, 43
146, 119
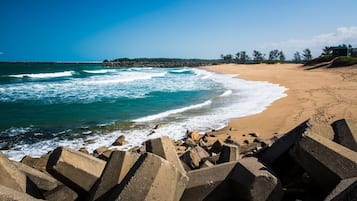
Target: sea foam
44, 75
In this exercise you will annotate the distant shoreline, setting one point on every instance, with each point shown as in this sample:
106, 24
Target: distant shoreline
47, 62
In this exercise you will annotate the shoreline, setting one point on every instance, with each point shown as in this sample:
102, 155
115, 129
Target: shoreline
323, 95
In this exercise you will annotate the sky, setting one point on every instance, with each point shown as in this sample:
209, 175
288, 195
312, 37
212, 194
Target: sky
94, 30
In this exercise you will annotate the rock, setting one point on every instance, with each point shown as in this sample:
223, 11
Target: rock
105, 155
217, 147
326, 161
98, 151
117, 167
10, 176
61, 193
120, 141
344, 135
190, 142
229, 153
9, 194
203, 182
255, 135
75, 169
194, 157
345, 190
180, 150
151, 178
43, 181
157, 126
194, 135
164, 147
84, 150
283, 144
37, 163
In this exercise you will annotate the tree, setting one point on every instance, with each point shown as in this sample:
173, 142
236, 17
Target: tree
297, 57
228, 58
327, 50
273, 55
258, 57
306, 55
242, 57
349, 50
281, 56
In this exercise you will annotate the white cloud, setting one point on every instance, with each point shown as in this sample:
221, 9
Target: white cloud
343, 35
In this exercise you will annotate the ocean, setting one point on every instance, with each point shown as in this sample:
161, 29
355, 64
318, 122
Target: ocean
43, 106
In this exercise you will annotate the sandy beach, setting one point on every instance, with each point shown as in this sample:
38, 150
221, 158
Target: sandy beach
323, 95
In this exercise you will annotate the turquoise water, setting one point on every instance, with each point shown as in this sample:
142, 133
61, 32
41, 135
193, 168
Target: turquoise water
47, 105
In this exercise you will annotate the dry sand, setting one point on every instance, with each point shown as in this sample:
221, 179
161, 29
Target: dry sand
323, 95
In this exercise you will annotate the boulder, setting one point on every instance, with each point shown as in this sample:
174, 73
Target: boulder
229, 153
118, 165
326, 161
345, 190
37, 163
105, 155
9, 194
61, 193
43, 181
151, 178
190, 142
203, 182
344, 134
75, 169
120, 141
194, 135
98, 151
164, 147
84, 150
194, 157
10, 176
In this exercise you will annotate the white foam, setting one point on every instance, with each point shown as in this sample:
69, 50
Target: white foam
181, 70
170, 112
44, 75
102, 71
226, 93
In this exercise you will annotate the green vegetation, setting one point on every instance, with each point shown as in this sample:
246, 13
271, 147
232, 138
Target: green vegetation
344, 61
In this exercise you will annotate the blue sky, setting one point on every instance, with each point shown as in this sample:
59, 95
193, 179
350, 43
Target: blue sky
93, 30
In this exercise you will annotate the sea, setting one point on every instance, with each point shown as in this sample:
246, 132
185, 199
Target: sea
46, 105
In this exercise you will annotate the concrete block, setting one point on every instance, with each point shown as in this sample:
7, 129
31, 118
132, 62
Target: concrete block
118, 165
345, 190
75, 169
230, 152
283, 144
204, 181
251, 180
43, 181
9, 194
344, 135
326, 161
61, 193
164, 147
10, 176
37, 163
151, 178
194, 157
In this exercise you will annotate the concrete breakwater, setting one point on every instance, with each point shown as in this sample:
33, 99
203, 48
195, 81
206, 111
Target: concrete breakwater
299, 165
